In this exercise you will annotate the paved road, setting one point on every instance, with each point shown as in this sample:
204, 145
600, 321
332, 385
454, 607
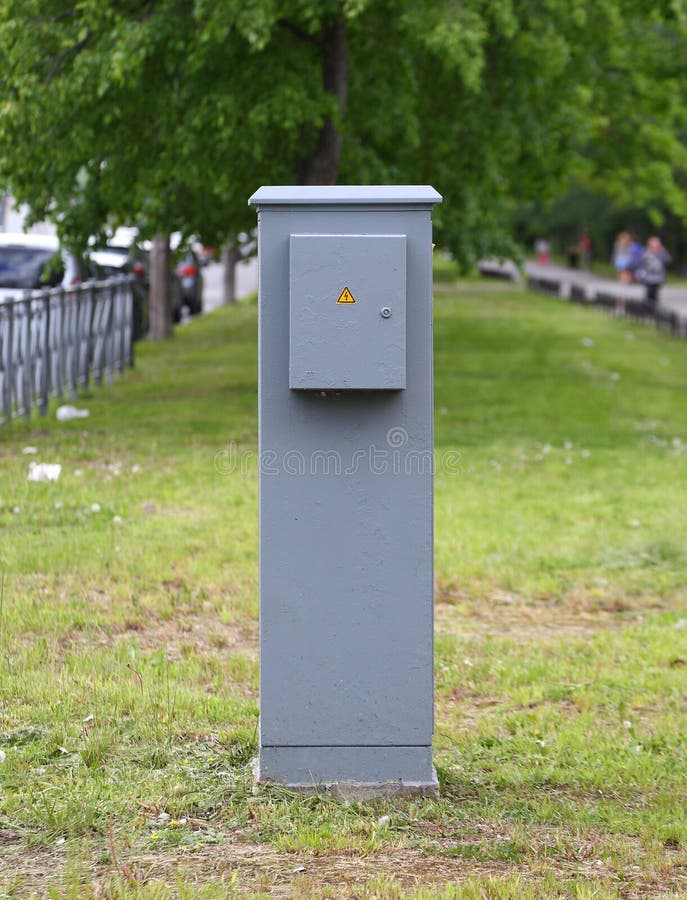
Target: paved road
672, 296
563, 280
246, 282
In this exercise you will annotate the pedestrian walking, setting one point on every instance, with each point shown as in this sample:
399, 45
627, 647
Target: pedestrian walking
543, 250
636, 254
585, 250
652, 269
622, 256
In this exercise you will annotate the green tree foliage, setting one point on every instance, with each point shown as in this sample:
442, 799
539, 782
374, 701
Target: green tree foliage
169, 113
583, 210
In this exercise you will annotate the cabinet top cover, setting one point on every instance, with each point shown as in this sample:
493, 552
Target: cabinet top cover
343, 195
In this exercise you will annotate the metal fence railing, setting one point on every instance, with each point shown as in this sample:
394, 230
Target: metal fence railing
54, 341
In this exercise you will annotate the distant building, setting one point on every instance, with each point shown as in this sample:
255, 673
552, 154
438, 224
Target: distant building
12, 218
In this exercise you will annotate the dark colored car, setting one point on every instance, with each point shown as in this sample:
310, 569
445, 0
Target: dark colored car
107, 261
188, 271
125, 254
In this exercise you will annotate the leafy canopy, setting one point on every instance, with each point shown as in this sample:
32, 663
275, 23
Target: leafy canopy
169, 113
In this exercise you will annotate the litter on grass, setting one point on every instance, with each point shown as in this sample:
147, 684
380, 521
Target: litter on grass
44, 471
66, 413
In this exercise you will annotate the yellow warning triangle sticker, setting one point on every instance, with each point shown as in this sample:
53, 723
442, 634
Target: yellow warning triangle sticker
346, 296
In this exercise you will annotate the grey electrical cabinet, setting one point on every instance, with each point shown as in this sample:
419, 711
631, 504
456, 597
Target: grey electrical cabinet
347, 304
346, 487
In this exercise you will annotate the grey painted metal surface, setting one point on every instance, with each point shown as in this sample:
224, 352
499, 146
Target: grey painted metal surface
355, 765
346, 531
53, 341
348, 304
337, 195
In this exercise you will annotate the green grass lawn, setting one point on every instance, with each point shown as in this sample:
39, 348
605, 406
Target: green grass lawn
128, 629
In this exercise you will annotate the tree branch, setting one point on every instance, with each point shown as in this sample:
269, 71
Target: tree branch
61, 57
303, 35
51, 20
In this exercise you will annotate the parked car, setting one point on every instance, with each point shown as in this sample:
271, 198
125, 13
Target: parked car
125, 253
188, 271
110, 260
121, 254
34, 261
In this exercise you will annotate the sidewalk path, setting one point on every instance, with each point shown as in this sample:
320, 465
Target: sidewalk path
576, 284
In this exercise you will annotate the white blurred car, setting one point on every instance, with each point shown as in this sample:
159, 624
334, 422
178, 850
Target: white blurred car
34, 261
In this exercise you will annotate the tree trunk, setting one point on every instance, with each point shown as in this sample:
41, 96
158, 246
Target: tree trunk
231, 255
160, 290
323, 166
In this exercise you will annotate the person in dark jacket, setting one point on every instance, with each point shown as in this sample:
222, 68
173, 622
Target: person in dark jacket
652, 269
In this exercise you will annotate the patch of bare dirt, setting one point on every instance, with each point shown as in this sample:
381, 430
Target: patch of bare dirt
246, 868
300, 875
508, 614
203, 633
179, 636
